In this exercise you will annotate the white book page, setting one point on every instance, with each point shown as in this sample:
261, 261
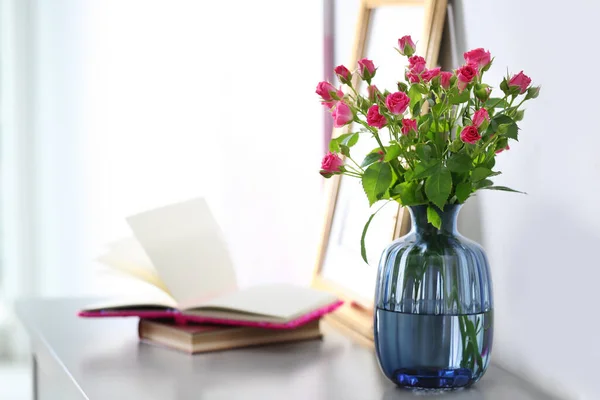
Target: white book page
282, 301
156, 300
128, 257
186, 247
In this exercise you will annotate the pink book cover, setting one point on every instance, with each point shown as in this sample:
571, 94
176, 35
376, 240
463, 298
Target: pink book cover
181, 318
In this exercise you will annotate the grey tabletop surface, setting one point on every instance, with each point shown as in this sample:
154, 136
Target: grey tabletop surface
103, 359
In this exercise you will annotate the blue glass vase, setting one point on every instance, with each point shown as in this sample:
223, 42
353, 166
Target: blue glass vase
433, 306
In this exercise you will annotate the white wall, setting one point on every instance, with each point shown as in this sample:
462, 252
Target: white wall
543, 246
135, 104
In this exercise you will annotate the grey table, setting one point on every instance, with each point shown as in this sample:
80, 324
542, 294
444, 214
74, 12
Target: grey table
77, 358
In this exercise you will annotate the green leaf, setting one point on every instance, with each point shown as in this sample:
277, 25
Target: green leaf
438, 186
459, 162
376, 180
416, 110
438, 109
503, 188
370, 159
503, 119
410, 193
347, 139
345, 150
421, 88
512, 132
363, 249
334, 146
423, 151
456, 145
351, 139
415, 95
480, 173
425, 169
460, 97
425, 124
496, 103
433, 217
463, 191
483, 184
392, 152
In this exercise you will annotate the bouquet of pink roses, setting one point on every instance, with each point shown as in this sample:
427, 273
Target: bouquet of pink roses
437, 135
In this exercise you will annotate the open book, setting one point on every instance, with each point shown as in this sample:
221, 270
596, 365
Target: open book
179, 250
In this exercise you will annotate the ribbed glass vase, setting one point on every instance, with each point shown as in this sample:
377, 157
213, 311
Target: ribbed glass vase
433, 306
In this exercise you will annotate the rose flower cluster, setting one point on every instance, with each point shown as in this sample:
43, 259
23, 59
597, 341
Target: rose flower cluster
436, 135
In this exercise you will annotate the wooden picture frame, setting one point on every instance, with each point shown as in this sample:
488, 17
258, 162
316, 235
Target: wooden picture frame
356, 315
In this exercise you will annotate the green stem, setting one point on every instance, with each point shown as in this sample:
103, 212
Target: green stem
351, 173
355, 163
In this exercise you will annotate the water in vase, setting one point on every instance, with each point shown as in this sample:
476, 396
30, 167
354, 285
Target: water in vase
433, 351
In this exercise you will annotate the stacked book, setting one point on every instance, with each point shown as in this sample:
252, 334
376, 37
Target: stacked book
200, 338
195, 304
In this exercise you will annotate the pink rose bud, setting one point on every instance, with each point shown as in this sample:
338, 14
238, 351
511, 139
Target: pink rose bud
429, 74
501, 150
479, 56
367, 69
470, 134
480, 116
342, 115
445, 79
329, 93
397, 102
331, 163
406, 45
374, 118
409, 125
416, 64
533, 92
372, 91
482, 91
521, 80
344, 75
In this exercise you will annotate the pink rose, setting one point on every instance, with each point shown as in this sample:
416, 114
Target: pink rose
412, 77
374, 118
445, 79
329, 94
470, 134
331, 163
480, 116
406, 45
326, 90
397, 102
501, 150
367, 69
343, 74
416, 64
342, 115
409, 125
429, 74
478, 56
521, 80
466, 73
